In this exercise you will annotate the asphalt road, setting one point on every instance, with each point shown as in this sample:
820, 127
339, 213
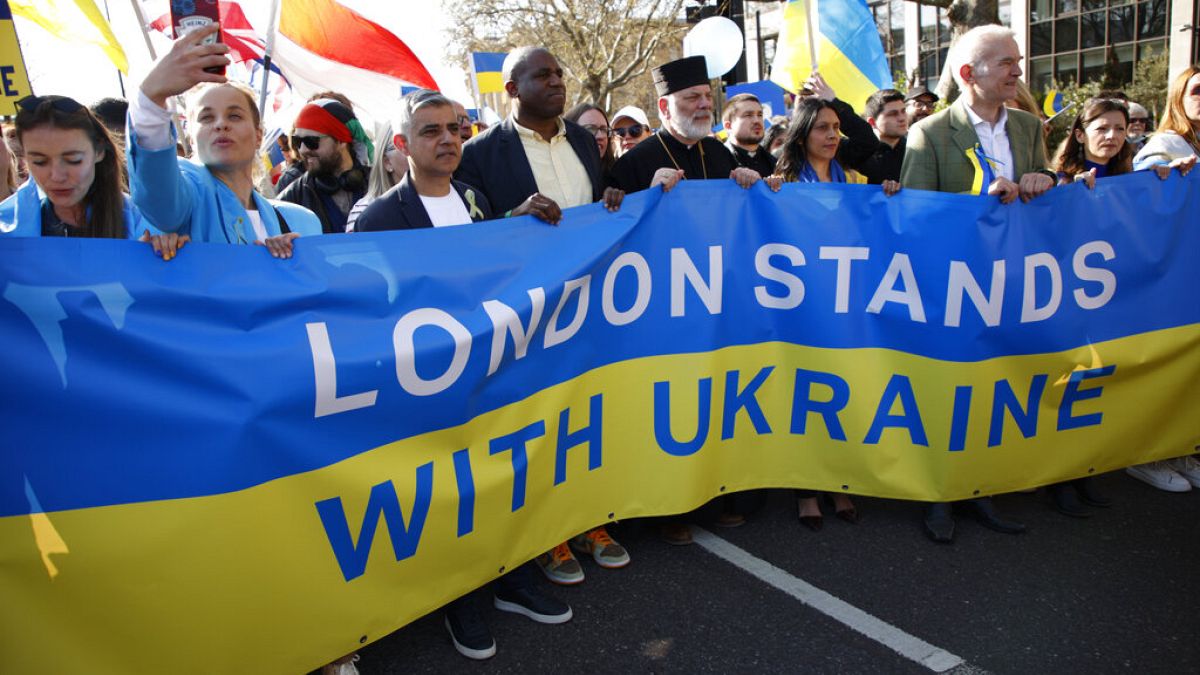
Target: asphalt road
1114, 593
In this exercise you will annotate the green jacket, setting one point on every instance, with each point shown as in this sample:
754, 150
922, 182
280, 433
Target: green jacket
936, 158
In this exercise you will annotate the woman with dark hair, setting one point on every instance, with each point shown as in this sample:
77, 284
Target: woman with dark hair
77, 174
773, 139
211, 198
1095, 146
593, 118
813, 148
811, 151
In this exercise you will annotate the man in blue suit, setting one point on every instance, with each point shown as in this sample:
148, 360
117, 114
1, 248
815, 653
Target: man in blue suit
427, 129
534, 161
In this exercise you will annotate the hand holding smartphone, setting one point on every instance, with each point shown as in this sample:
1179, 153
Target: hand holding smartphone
189, 15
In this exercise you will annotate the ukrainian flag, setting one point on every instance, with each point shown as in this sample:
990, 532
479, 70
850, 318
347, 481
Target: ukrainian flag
1053, 104
849, 53
487, 66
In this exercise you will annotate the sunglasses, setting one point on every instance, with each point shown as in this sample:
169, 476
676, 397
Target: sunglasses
633, 131
62, 104
312, 142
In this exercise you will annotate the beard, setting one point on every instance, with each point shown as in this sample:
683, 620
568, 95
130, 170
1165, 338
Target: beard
690, 127
748, 138
323, 166
693, 128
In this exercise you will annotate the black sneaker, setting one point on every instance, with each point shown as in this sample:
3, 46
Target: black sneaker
530, 603
469, 632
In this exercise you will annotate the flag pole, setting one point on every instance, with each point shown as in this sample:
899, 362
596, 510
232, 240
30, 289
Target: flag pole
120, 78
812, 37
269, 47
137, 11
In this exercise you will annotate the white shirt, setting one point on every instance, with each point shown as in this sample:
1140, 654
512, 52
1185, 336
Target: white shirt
151, 123
994, 139
446, 211
260, 230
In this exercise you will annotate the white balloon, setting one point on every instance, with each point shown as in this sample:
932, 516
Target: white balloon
719, 41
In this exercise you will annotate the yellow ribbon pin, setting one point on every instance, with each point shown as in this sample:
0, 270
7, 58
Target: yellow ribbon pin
469, 195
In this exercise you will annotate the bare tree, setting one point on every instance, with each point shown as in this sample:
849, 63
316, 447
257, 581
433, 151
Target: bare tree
963, 15
603, 46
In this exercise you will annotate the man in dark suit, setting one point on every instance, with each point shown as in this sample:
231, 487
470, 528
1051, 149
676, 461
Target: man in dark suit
978, 146
534, 161
427, 129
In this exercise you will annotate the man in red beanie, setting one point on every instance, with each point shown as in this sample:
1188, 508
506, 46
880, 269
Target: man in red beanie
336, 155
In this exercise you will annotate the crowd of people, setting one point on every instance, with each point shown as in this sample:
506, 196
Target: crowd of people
124, 171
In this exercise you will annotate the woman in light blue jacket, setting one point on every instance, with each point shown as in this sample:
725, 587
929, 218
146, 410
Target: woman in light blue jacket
212, 199
76, 176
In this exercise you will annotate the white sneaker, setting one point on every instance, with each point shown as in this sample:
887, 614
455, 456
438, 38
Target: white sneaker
343, 668
1188, 467
1161, 475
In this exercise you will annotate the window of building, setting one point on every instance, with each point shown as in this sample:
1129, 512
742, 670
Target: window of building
935, 42
889, 20
1083, 40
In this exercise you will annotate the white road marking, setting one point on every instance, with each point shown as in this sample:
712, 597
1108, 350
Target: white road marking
909, 646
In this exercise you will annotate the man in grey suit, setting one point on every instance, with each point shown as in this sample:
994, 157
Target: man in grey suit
978, 146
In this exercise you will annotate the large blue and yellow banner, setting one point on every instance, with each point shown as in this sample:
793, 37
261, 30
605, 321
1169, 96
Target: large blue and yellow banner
228, 462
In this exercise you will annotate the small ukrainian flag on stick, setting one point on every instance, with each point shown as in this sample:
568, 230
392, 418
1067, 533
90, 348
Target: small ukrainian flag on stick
485, 69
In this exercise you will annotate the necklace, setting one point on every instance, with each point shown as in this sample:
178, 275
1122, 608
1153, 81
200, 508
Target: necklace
699, 144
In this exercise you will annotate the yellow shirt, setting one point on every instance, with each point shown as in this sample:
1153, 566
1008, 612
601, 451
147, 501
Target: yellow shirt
558, 171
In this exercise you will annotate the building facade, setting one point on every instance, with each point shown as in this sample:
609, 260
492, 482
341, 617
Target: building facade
1061, 40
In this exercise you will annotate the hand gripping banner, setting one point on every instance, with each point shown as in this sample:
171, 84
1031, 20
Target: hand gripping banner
229, 462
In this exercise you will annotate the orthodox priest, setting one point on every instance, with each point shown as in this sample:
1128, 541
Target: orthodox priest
683, 148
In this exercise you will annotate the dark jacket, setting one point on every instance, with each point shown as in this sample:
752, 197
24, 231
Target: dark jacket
400, 208
495, 162
884, 163
761, 161
305, 192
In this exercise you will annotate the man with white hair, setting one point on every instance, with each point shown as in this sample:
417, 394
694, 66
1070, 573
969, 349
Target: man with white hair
977, 145
683, 148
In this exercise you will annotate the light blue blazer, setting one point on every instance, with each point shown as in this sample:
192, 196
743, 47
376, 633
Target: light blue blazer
179, 195
21, 214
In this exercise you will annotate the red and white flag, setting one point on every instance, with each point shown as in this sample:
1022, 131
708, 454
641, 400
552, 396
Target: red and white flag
246, 43
322, 44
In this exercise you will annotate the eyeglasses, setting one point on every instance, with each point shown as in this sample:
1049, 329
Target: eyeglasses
1136, 120
464, 121
62, 104
598, 131
633, 131
313, 142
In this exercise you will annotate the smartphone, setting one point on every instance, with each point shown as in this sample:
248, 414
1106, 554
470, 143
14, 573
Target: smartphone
189, 15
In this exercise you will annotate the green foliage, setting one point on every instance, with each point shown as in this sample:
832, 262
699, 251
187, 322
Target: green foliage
1150, 84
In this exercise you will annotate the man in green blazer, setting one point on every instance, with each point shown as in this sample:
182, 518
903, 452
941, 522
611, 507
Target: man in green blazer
977, 145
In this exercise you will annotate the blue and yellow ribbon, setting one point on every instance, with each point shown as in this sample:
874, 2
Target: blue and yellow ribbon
985, 169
